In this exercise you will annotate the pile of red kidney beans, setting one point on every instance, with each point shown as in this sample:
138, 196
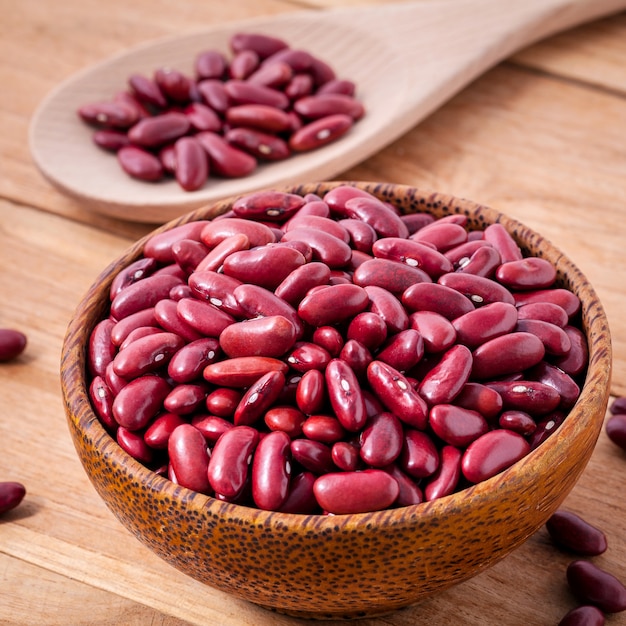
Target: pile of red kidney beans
261, 105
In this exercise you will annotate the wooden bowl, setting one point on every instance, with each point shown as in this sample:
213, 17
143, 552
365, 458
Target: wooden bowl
343, 566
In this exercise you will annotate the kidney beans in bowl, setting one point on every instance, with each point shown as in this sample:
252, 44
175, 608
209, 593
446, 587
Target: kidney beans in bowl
339, 398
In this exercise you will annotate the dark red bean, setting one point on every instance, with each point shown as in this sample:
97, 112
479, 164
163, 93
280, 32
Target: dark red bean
593, 585
271, 471
189, 458
572, 532
585, 615
11, 495
616, 429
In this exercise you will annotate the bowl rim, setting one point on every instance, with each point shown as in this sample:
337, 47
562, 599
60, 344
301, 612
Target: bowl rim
591, 403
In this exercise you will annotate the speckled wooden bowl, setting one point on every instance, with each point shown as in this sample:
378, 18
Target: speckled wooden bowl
346, 565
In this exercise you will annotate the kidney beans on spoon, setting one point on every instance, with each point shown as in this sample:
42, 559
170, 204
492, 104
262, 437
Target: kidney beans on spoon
337, 378
227, 116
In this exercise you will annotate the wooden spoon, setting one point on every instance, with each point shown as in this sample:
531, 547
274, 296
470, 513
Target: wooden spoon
406, 59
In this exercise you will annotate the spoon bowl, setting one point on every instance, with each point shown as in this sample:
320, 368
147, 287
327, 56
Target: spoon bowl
395, 54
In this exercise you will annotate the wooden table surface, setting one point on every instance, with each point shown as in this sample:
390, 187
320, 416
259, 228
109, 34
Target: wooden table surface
540, 137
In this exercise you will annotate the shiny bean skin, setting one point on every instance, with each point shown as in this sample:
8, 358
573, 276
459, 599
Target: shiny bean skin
203, 317
257, 301
243, 92
585, 615
616, 429
271, 471
444, 481
143, 294
442, 235
320, 132
507, 354
139, 401
224, 159
173, 84
345, 456
214, 259
362, 235
188, 253
409, 492
135, 271
272, 206
571, 532
565, 299
322, 105
11, 495
438, 298
140, 164
259, 397
311, 392
285, 418
132, 443
593, 585
485, 323
146, 354
386, 305
263, 45
413, 254
355, 492
446, 379
544, 311
266, 266
270, 336
185, 399
437, 332
100, 353
477, 289
575, 361
378, 215
329, 338
326, 247
159, 246
318, 222
555, 340
480, 398
260, 116
262, 146
527, 273
455, 425
492, 453
517, 421
167, 317
300, 498
420, 457
333, 304
158, 433
315, 456
396, 393
483, 262
241, 372
102, 398
218, 289
324, 428
403, 351
192, 164
368, 328
230, 460
527, 395
189, 362
202, 117
503, 242
300, 280
308, 356
545, 428
391, 275
156, 131
344, 394
381, 440
189, 458
211, 426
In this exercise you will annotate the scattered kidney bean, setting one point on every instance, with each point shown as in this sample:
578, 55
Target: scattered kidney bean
262, 104
253, 328
13, 342
573, 533
593, 585
585, 615
11, 494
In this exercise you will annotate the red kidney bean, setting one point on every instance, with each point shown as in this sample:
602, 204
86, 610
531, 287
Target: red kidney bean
445, 479
333, 304
263, 45
260, 116
326, 224
192, 165
391, 275
355, 492
618, 405
146, 354
11, 495
185, 399
100, 353
260, 145
492, 453
300, 498
545, 428
160, 246
133, 443
140, 164
362, 235
438, 298
300, 280
367, 328
480, 398
156, 131
223, 401
437, 332
298, 60
210, 64
203, 317
517, 421
326, 248
565, 299
269, 336
189, 458
146, 91
188, 253
336, 85
299, 86
217, 288
446, 379
527, 395
320, 132
477, 289
323, 428
507, 354
413, 254
455, 425
572, 532
381, 440
230, 460
112, 140
357, 356
158, 433
576, 359
285, 418
211, 426
315, 456
409, 492
503, 242
372, 211
321, 105
564, 384
329, 338
241, 372
344, 394
307, 356
109, 114
527, 273
139, 401
555, 340
485, 323
134, 272
386, 305
593, 585
266, 266
443, 235
419, 457
114, 382
173, 84
214, 94
271, 471
244, 92
395, 392
224, 159
102, 398
256, 301
167, 316
483, 262
345, 456
403, 350
585, 615
311, 392
259, 397
142, 295
243, 64
544, 311
616, 429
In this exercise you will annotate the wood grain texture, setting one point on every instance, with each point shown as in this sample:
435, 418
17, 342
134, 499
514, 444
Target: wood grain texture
540, 138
